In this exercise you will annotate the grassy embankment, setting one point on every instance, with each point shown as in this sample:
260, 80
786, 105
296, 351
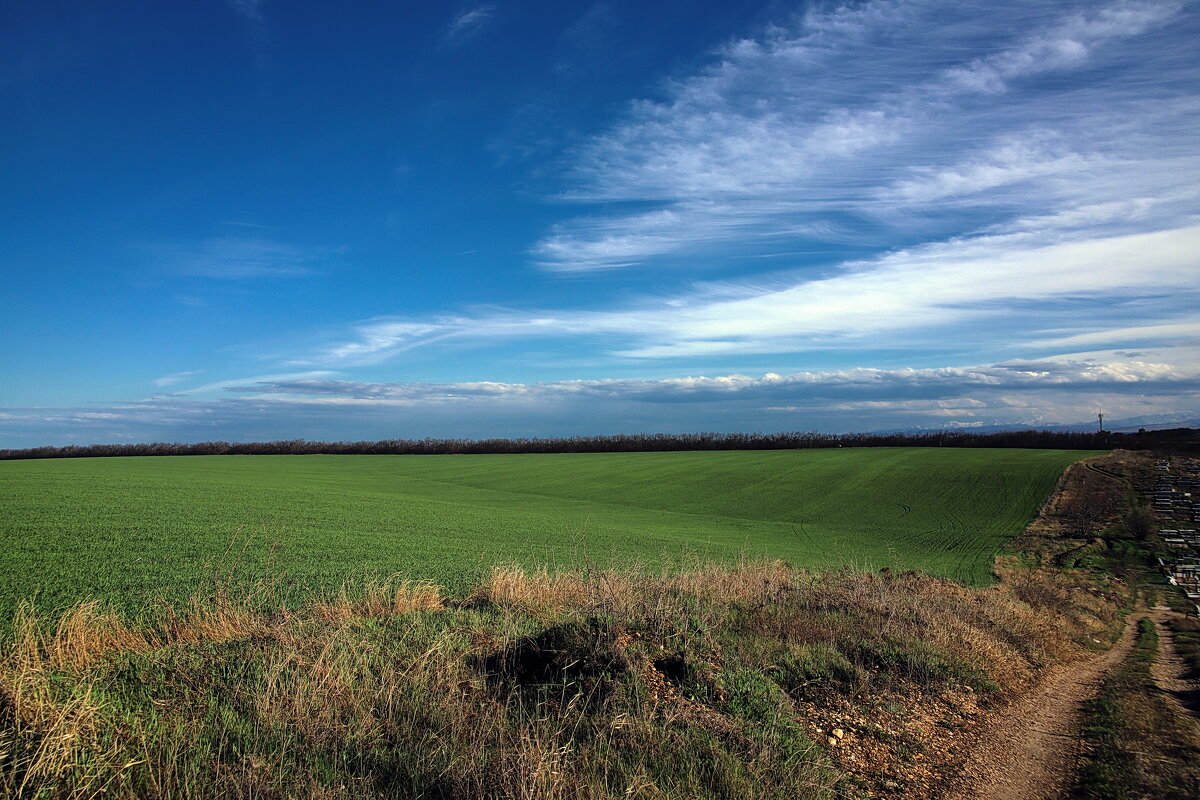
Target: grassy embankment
753, 681
125, 530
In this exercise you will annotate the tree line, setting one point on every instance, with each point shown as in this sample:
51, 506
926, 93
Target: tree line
621, 443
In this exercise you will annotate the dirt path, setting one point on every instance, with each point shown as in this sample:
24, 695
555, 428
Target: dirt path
1170, 671
1030, 750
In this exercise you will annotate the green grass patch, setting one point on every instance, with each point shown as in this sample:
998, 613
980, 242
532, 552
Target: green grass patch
128, 529
1138, 746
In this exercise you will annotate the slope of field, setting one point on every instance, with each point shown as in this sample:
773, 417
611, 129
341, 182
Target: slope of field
125, 529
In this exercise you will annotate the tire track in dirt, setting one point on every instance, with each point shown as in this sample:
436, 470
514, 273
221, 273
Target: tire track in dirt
1171, 672
1031, 749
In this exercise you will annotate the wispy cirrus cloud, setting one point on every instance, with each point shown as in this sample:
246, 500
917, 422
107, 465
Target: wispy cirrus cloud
174, 378
1023, 284
237, 258
1182, 332
1037, 159
224, 385
916, 115
468, 23
251, 13
249, 9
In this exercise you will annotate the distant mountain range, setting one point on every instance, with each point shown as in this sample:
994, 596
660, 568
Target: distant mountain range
1127, 425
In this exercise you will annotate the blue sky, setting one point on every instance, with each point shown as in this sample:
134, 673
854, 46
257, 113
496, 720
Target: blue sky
257, 220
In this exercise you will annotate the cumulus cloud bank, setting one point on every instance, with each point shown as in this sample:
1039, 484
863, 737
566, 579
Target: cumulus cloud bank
1020, 392
877, 384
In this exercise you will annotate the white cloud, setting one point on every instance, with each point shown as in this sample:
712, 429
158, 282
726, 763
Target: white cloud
237, 258
867, 114
1065, 45
1008, 163
1039, 157
1052, 390
252, 15
468, 23
1014, 280
217, 386
173, 378
250, 9
878, 385
1185, 331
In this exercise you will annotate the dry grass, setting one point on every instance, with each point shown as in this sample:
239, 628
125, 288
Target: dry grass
49, 734
379, 598
704, 681
542, 592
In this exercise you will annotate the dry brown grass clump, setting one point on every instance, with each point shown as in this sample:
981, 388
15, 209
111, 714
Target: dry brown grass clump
379, 598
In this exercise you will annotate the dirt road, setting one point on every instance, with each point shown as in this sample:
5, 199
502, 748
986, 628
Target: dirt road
1031, 750
1171, 673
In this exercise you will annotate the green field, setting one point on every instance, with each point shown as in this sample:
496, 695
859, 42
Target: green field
125, 529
